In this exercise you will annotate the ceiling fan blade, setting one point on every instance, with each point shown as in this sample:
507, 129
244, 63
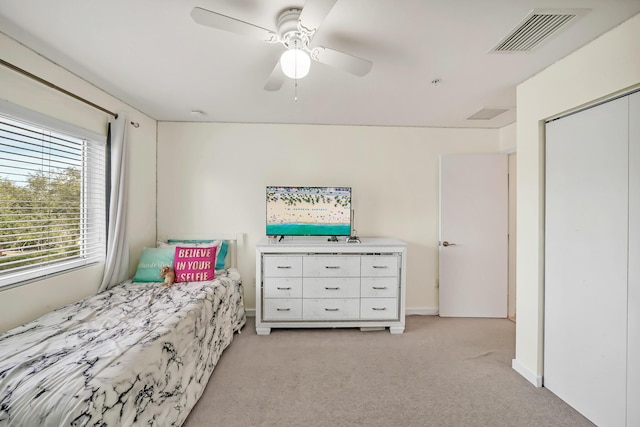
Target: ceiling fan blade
232, 25
349, 63
314, 12
275, 80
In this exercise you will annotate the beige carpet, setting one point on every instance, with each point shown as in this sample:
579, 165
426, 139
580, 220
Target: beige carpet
440, 372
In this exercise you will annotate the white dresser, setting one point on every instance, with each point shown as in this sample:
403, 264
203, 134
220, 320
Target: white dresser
314, 283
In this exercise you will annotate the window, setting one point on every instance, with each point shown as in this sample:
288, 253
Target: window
52, 196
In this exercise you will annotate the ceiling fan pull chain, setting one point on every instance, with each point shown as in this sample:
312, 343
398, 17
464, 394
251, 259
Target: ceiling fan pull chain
295, 68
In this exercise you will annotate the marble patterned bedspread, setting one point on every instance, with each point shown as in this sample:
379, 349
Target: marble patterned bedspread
138, 354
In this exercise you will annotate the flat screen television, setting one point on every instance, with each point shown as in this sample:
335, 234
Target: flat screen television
308, 211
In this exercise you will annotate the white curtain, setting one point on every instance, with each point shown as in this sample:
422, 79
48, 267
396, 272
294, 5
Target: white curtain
116, 267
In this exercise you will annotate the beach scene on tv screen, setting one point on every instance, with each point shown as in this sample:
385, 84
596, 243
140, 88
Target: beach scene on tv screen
308, 211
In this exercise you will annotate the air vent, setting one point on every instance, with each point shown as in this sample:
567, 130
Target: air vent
488, 113
536, 27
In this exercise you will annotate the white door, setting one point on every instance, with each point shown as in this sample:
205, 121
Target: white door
473, 235
586, 261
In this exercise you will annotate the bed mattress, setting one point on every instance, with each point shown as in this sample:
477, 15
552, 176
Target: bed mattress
136, 354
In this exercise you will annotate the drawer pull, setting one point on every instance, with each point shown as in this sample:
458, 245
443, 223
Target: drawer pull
284, 266
332, 266
283, 309
332, 289
380, 266
284, 289
330, 309
379, 308
379, 288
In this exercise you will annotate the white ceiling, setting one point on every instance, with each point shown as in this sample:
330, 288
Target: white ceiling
153, 56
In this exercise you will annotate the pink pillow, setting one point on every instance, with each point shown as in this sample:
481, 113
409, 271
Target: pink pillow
194, 264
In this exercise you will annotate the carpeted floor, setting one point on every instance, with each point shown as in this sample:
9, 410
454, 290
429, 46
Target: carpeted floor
440, 372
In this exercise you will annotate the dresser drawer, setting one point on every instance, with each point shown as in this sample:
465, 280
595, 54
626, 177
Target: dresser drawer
283, 287
282, 309
379, 308
331, 266
379, 265
331, 287
282, 266
379, 287
331, 309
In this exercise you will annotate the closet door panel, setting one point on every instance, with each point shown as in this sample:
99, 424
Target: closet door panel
586, 236
633, 382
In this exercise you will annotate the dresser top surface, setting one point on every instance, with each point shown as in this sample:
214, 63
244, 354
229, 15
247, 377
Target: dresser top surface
321, 244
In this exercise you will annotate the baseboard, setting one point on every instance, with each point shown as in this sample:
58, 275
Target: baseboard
422, 311
534, 379
250, 312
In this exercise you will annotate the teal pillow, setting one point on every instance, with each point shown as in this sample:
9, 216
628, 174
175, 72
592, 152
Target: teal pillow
220, 257
188, 241
224, 247
151, 261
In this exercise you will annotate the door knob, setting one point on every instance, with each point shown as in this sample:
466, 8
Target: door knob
445, 243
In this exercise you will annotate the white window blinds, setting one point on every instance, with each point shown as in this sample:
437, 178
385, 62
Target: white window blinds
52, 199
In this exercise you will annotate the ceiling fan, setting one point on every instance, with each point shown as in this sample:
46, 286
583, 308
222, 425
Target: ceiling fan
296, 28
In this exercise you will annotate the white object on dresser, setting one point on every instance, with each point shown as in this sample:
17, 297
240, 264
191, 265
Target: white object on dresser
314, 283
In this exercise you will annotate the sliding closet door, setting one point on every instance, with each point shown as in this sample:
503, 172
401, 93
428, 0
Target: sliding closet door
586, 242
633, 382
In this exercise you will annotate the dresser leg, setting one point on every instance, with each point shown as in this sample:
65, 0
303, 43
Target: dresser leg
263, 331
396, 329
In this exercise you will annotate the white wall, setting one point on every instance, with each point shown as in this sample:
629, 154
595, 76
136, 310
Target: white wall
606, 66
24, 303
513, 234
508, 138
212, 178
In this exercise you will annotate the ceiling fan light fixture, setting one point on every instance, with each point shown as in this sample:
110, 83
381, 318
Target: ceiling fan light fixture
295, 63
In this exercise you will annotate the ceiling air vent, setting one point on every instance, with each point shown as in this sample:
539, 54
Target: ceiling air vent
536, 27
487, 113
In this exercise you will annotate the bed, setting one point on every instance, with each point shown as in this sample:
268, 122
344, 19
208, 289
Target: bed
137, 354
